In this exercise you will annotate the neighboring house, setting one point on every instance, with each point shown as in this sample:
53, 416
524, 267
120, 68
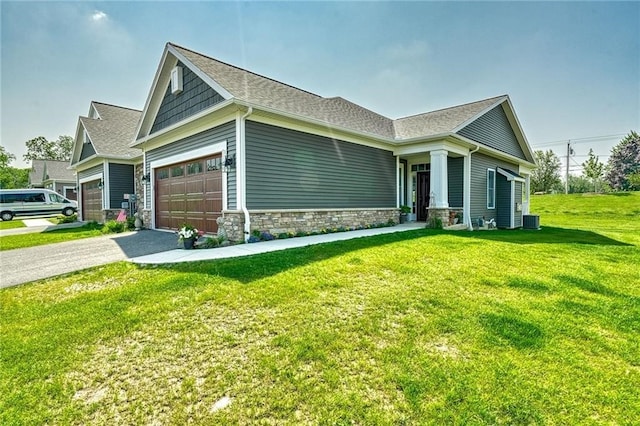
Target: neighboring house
104, 163
221, 141
53, 175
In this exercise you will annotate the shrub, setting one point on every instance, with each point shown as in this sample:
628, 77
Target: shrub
283, 236
113, 226
267, 236
67, 219
212, 242
435, 223
253, 239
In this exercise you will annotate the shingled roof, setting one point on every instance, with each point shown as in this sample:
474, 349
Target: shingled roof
262, 91
58, 170
111, 133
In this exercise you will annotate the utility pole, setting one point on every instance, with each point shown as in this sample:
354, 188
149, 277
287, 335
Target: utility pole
566, 173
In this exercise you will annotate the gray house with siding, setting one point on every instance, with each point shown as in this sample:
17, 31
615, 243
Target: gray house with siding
53, 175
104, 164
221, 142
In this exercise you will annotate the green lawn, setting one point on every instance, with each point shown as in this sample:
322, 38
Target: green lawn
422, 327
10, 242
11, 224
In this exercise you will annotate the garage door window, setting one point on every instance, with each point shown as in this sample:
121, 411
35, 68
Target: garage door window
194, 168
214, 164
162, 174
177, 171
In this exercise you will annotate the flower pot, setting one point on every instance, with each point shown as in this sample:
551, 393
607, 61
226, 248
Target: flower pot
188, 243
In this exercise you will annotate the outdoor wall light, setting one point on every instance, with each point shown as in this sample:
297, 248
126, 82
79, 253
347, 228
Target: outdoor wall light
146, 178
100, 185
227, 163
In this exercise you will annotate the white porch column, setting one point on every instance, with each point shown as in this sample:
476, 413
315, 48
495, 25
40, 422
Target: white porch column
466, 192
439, 179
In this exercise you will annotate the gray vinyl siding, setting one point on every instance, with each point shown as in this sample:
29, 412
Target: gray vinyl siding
503, 202
455, 177
479, 165
288, 169
120, 183
218, 134
493, 129
196, 96
87, 151
90, 172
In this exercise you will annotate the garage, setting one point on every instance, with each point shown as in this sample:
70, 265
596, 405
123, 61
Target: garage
92, 201
189, 192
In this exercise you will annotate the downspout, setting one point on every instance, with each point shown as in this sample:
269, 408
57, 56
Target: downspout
242, 174
467, 201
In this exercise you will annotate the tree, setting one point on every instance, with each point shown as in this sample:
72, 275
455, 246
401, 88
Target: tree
41, 149
593, 169
548, 172
10, 177
624, 164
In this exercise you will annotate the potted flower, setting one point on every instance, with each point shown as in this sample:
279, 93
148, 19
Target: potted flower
404, 211
188, 235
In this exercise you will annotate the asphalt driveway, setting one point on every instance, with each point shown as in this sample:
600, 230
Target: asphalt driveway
34, 263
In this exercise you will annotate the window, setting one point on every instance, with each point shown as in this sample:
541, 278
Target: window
194, 168
177, 171
162, 174
491, 189
214, 164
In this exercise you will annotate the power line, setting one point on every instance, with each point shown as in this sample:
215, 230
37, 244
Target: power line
581, 140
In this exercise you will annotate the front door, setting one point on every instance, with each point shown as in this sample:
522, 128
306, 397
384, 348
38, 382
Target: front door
423, 196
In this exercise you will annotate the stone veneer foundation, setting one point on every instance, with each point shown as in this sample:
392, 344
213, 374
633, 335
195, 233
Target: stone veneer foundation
285, 221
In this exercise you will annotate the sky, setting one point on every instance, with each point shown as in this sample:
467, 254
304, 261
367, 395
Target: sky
571, 69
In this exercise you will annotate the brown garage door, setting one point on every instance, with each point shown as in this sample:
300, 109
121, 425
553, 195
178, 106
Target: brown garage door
70, 194
189, 192
92, 201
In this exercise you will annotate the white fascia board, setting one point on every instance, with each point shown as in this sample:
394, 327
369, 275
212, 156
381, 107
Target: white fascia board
515, 124
212, 149
509, 176
152, 95
314, 126
187, 127
75, 156
92, 178
496, 153
197, 71
447, 144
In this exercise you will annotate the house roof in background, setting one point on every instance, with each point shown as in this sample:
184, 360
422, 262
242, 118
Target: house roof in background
111, 134
36, 173
58, 170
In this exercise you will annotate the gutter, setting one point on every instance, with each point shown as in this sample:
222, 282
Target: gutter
242, 178
467, 202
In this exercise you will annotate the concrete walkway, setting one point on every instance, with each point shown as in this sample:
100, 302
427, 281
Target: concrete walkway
240, 250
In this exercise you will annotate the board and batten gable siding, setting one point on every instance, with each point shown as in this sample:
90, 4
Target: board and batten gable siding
288, 169
455, 178
479, 165
493, 130
87, 151
90, 172
196, 96
209, 137
120, 182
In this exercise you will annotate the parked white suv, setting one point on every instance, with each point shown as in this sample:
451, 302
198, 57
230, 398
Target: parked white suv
28, 202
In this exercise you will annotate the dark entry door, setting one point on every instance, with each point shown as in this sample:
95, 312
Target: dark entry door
423, 196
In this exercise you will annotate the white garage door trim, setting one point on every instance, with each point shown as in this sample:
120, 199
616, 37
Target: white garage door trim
218, 148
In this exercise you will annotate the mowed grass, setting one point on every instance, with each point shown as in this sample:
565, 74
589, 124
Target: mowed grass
10, 242
421, 327
11, 224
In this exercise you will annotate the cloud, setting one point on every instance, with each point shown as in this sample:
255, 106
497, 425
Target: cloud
98, 16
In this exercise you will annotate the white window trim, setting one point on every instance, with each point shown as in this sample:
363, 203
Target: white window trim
491, 206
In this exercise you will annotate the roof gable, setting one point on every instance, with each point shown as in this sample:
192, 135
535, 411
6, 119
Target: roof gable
36, 174
106, 136
196, 96
57, 170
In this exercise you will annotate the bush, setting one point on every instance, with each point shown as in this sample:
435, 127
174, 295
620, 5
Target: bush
114, 226
211, 242
67, 219
435, 223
